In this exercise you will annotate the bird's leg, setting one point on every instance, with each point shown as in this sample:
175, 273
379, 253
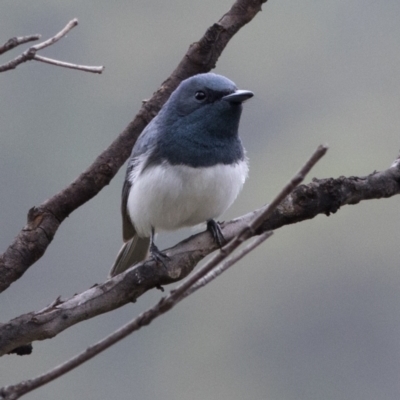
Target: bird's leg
157, 255
215, 230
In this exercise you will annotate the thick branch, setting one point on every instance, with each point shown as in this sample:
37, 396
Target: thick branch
326, 196
323, 196
44, 220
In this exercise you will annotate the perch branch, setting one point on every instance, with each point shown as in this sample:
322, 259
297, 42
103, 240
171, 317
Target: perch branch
323, 196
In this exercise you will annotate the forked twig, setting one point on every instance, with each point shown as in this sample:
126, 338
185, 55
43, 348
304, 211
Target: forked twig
223, 266
30, 54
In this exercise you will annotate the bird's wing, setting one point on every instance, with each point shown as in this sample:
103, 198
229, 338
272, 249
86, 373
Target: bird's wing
140, 150
128, 230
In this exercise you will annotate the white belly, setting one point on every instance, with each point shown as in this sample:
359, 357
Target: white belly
169, 197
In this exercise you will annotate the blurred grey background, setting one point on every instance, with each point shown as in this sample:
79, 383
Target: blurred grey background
314, 313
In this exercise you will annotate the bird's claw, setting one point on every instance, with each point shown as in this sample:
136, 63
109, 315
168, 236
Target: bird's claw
158, 256
215, 230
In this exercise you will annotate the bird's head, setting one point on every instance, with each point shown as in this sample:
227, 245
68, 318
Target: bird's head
204, 103
207, 93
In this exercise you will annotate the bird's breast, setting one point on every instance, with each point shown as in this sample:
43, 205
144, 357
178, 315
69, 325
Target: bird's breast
169, 197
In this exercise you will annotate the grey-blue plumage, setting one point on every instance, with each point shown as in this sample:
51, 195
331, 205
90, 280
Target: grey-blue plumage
187, 166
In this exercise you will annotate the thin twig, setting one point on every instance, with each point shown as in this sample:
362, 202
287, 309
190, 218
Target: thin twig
396, 162
222, 267
295, 181
16, 41
30, 54
71, 24
165, 304
87, 68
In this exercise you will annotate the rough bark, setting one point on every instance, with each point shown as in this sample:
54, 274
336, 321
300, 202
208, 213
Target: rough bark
321, 196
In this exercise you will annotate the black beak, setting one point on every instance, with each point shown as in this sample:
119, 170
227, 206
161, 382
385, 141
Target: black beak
239, 96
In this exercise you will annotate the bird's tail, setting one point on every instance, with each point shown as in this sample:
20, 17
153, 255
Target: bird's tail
133, 251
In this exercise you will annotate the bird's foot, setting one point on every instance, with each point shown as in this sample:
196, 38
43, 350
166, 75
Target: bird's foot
158, 256
159, 287
215, 230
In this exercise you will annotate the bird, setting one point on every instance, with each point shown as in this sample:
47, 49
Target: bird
186, 168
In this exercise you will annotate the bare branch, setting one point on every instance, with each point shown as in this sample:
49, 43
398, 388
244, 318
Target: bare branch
165, 304
30, 54
222, 267
44, 220
396, 162
16, 41
86, 68
323, 196
71, 24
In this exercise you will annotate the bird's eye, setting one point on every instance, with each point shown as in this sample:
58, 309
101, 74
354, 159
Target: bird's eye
200, 95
